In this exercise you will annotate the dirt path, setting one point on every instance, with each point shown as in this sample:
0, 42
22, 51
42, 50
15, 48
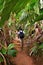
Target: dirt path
23, 59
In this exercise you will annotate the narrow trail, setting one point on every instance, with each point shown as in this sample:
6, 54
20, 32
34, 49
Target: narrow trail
22, 58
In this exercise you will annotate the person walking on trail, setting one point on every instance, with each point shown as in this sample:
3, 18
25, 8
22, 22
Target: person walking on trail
21, 35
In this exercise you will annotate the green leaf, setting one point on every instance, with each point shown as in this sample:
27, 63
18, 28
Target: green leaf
11, 6
33, 49
10, 46
3, 51
1, 59
12, 52
41, 46
1, 1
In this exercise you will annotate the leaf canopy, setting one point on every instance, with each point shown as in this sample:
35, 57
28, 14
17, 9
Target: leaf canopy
8, 6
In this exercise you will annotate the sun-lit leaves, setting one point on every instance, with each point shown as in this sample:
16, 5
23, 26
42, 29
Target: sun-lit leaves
11, 5
18, 6
11, 46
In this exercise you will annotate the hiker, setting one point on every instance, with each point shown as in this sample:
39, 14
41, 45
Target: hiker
21, 35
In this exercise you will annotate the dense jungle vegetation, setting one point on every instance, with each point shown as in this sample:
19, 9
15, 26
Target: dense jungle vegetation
29, 15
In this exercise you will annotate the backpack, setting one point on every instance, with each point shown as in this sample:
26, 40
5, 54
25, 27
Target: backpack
21, 34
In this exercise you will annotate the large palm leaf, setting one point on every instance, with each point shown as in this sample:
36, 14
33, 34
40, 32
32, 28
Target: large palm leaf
12, 5
17, 6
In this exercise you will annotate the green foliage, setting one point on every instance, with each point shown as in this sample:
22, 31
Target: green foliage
1, 59
1, 3
3, 51
17, 6
41, 46
7, 9
37, 49
12, 5
10, 46
9, 50
29, 13
33, 49
12, 52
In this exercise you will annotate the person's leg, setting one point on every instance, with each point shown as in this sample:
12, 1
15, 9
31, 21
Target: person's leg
22, 44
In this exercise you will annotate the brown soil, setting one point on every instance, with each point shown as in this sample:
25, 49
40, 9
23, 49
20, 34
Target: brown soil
23, 59
38, 60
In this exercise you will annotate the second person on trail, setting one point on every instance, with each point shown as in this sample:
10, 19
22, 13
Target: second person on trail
21, 35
